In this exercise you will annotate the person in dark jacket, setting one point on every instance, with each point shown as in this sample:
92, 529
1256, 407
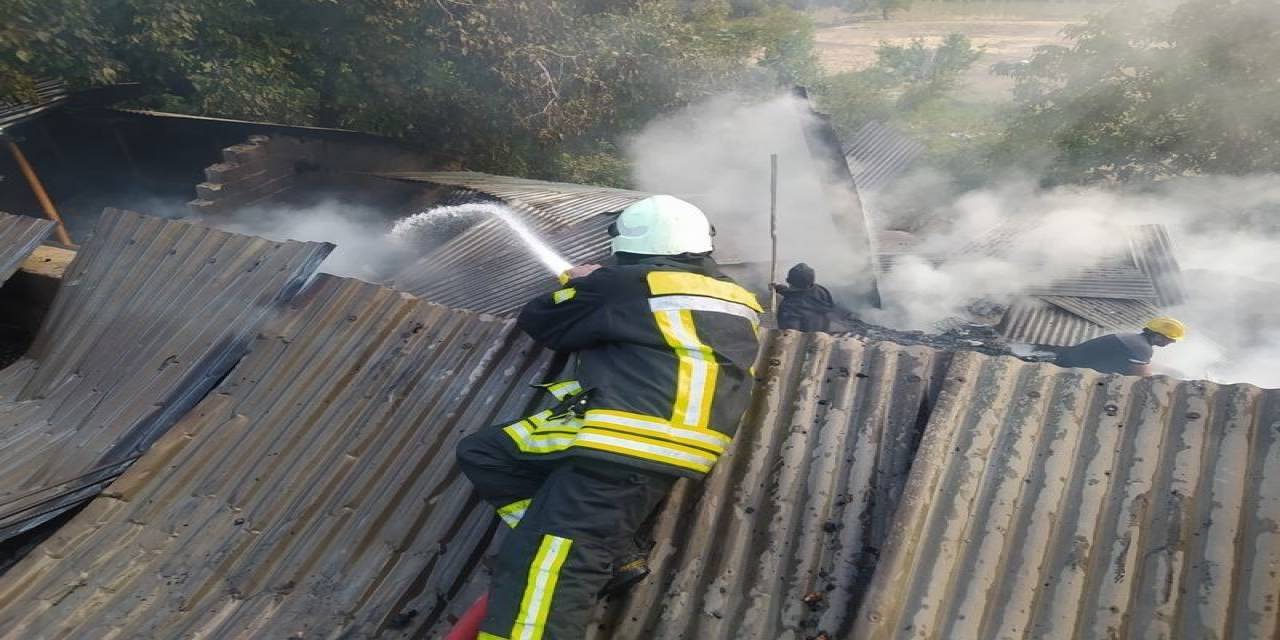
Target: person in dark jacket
1126, 354
805, 305
664, 345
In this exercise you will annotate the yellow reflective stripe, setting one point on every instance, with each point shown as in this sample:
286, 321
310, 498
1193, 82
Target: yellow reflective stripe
488, 636
663, 454
563, 278
540, 587
529, 442
654, 428
677, 282
563, 295
563, 389
514, 512
696, 372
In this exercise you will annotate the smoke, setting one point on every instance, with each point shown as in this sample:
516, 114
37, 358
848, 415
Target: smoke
716, 155
364, 248
1224, 236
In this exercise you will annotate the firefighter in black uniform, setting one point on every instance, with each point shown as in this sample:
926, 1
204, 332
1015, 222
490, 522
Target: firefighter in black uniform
664, 346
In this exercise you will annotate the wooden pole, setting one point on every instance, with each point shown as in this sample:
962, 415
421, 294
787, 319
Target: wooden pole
773, 230
41, 195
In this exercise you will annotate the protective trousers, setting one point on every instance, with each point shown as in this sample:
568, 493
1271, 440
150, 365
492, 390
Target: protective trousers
569, 517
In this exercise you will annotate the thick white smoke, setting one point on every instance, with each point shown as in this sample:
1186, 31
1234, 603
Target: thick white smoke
1224, 239
716, 154
364, 248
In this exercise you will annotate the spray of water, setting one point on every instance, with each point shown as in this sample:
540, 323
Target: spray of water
427, 222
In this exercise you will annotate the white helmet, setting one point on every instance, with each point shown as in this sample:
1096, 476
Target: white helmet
661, 226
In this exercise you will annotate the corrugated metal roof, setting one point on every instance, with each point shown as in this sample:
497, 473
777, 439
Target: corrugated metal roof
1152, 252
1032, 321
483, 269
1055, 503
50, 92
150, 314
1108, 313
1101, 281
314, 492
800, 506
878, 154
19, 237
544, 204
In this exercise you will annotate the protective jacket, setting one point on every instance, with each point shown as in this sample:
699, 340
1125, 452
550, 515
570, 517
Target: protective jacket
805, 308
664, 354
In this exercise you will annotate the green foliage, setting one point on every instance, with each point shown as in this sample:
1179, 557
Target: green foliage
905, 80
510, 85
1147, 94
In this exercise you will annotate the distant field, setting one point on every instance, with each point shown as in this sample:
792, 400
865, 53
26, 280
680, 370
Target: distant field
1005, 31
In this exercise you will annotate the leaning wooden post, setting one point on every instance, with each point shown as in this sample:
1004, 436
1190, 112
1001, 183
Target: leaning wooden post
773, 231
41, 195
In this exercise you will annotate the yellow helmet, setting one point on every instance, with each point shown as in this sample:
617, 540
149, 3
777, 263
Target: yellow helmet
1167, 327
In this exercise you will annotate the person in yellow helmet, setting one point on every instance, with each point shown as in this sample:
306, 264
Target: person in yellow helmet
1125, 353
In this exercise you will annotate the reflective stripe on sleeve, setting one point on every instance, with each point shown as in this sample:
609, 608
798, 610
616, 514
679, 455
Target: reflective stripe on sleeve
563, 295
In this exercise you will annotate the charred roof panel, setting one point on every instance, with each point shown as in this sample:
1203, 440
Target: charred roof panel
314, 491
19, 237
150, 314
1055, 503
1100, 281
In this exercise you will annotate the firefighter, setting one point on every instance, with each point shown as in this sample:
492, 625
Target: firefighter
1127, 353
663, 344
806, 305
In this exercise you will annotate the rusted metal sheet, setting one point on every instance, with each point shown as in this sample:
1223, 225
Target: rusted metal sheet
313, 493
1056, 503
19, 237
150, 314
878, 154
1033, 321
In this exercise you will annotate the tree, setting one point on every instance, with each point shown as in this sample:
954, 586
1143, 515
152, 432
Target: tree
1148, 94
513, 86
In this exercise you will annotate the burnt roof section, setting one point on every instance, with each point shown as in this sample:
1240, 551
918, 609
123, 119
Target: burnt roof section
485, 268
314, 491
50, 93
150, 314
1056, 503
878, 154
19, 237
